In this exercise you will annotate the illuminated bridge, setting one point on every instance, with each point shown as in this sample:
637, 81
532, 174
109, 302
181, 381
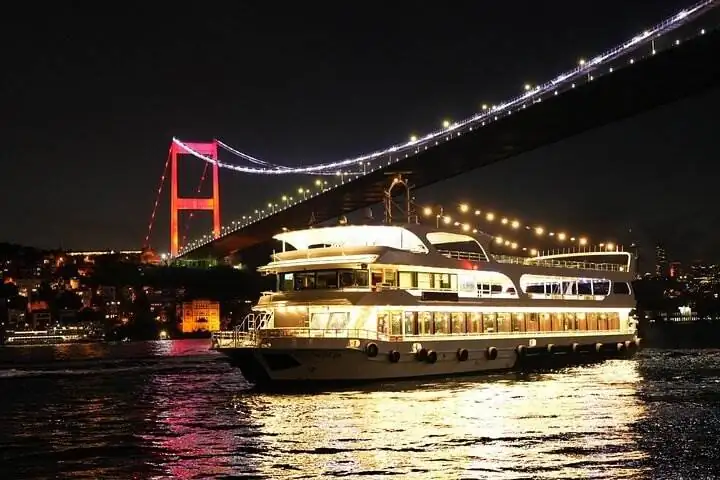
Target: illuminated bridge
672, 60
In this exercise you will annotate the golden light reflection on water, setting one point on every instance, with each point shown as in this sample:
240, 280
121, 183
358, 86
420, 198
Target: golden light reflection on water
567, 424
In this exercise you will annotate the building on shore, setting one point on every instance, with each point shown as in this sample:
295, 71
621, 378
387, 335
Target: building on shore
200, 315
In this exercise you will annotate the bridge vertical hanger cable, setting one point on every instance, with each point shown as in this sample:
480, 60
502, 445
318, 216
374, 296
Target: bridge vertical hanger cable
157, 200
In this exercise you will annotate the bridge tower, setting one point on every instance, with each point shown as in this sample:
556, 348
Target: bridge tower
177, 203
406, 209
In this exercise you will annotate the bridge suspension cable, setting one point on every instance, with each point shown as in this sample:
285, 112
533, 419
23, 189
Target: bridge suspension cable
157, 201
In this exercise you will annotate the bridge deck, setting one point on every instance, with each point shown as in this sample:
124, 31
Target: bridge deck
670, 75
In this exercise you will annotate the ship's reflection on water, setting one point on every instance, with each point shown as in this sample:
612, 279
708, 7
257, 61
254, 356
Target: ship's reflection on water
173, 410
576, 423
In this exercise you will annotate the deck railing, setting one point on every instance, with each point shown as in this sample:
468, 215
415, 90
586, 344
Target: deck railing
233, 339
560, 263
531, 261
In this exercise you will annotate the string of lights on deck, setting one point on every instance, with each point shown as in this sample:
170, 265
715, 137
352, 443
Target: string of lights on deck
579, 243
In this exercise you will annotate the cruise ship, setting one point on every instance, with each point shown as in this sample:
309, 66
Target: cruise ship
373, 302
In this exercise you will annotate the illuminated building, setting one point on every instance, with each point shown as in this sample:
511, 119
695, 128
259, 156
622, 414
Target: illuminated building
200, 315
661, 261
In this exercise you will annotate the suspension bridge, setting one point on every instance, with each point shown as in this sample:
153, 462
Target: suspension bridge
672, 60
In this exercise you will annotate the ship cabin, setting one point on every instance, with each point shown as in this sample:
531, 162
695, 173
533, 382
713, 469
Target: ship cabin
383, 281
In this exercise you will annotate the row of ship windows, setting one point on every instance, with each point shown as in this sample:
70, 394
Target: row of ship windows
446, 323
333, 279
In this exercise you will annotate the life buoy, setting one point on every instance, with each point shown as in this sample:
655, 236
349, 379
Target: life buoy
550, 348
598, 347
372, 350
431, 356
491, 353
394, 356
462, 354
521, 350
575, 347
421, 354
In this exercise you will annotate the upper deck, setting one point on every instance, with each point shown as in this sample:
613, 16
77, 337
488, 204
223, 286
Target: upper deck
363, 244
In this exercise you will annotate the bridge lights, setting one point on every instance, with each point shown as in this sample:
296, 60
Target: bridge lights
533, 252
484, 106
447, 220
539, 230
427, 211
582, 241
413, 138
466, 227
490, 217
528, 87
561, 236
446, 123
464, 207
504, 221
610, 246
515, 224
499, 240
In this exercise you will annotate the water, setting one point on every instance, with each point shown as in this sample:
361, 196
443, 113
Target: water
177, 410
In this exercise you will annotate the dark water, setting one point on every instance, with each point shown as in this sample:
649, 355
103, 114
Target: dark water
176, 410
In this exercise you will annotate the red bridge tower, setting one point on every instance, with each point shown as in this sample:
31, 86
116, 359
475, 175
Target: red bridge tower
177, 203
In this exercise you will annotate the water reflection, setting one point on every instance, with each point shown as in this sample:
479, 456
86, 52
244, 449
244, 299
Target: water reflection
175, 410
574, 423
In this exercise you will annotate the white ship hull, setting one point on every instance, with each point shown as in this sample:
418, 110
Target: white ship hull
314, 360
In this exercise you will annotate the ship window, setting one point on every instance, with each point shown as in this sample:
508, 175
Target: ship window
287, 282
319, 321
601, 287
602, 321
592, 321
621, 288
326, 279
475, 322
532, 323
570, 321
304, 280
425, 323
377, 277
581, 321
425, 280
442, 323
411, 323
614, 321
458, 322
338, 321
408, 280
442, 281
518, 322
353, 278
503, 322
396, 324
489, 324
383, 319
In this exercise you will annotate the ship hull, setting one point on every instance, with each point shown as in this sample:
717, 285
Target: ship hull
312, 362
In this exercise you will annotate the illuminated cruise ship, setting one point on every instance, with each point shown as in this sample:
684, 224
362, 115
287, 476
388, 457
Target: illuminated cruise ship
370, 302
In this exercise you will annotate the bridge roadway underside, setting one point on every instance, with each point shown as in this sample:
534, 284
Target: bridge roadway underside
663, 78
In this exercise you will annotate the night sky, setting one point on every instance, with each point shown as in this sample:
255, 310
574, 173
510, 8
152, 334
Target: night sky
90, 99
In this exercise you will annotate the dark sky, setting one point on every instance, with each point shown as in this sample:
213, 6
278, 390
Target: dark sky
89, 100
